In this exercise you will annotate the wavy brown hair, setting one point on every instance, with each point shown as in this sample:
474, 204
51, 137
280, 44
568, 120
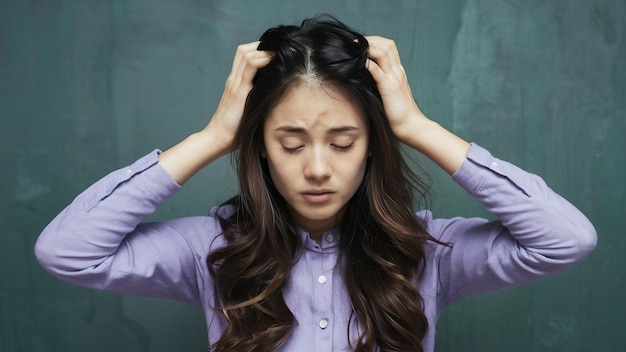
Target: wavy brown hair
381, 242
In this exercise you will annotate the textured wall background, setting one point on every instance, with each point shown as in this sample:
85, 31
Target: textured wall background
89, 86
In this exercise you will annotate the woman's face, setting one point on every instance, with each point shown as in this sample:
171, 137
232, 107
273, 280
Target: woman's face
316, 144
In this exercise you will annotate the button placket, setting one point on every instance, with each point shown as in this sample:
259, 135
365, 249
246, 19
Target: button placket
322, 271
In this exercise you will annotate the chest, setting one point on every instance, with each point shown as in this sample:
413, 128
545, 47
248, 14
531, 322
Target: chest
317, 296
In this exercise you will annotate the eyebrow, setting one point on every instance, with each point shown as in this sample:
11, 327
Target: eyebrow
301, 130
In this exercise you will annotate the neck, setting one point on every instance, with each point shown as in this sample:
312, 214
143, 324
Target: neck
315, 228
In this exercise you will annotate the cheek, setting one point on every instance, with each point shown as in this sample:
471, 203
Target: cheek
356, 176
279, 174
272, 169
361, 175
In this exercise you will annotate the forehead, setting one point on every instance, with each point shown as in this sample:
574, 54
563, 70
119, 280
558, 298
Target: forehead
312, 105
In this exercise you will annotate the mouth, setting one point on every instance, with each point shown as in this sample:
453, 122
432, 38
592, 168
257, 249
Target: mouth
318, 196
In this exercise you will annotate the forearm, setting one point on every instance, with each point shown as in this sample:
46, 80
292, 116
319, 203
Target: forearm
538, 218
92, 227
537, 233
186, 158
440, 145
405, 118
98, 241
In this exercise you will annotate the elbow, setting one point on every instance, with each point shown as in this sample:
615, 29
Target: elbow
581, 241
59, 255
49, 246
46, 254
566, 247
66, 254
51, 253
587, 239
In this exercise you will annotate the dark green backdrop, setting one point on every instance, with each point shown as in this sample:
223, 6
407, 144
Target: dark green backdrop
88, 86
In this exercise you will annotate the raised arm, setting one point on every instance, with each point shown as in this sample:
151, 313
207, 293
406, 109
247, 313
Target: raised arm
407, 121
195, 152
98, 241
537, 234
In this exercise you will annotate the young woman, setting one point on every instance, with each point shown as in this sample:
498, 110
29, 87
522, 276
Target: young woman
321, 249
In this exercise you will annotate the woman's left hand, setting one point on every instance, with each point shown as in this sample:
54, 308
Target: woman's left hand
385, 67
407, 121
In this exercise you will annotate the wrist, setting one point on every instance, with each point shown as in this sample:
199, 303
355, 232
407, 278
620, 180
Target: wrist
434, 141
186, 158
212, 142
218, 136
415, 129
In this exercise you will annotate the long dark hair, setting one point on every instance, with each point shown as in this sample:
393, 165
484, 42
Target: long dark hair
381, 242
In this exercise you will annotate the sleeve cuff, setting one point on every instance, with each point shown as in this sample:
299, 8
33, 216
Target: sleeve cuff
466, 175
154, 180
479, 165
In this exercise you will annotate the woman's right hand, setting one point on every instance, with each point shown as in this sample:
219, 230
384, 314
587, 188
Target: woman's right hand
198, 150
248, 60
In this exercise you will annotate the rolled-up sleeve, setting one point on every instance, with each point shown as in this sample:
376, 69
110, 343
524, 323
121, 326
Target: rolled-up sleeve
537, 232
98, 241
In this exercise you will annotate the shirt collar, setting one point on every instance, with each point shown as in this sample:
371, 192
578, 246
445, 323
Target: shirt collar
329, 241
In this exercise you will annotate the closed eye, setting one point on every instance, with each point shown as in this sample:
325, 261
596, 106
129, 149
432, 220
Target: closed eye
292, 150
343, 148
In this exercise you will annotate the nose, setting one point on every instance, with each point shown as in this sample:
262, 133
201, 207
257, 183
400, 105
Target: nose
317, 166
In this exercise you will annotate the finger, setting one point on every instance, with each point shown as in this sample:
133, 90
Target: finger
242, 49
240, 55
377, 73
251, 61
254, 61
384, 48
248, 63
385, 53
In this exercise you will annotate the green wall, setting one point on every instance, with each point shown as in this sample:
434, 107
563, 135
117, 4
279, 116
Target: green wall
88, 86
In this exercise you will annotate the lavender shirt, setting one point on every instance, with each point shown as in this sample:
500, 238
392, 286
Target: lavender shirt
98, 241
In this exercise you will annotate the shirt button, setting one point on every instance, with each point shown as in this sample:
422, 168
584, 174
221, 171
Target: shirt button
494, 164
330, 237
129, 171
323, 323
322, 279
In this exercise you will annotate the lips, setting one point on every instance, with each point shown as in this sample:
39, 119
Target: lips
317, 196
